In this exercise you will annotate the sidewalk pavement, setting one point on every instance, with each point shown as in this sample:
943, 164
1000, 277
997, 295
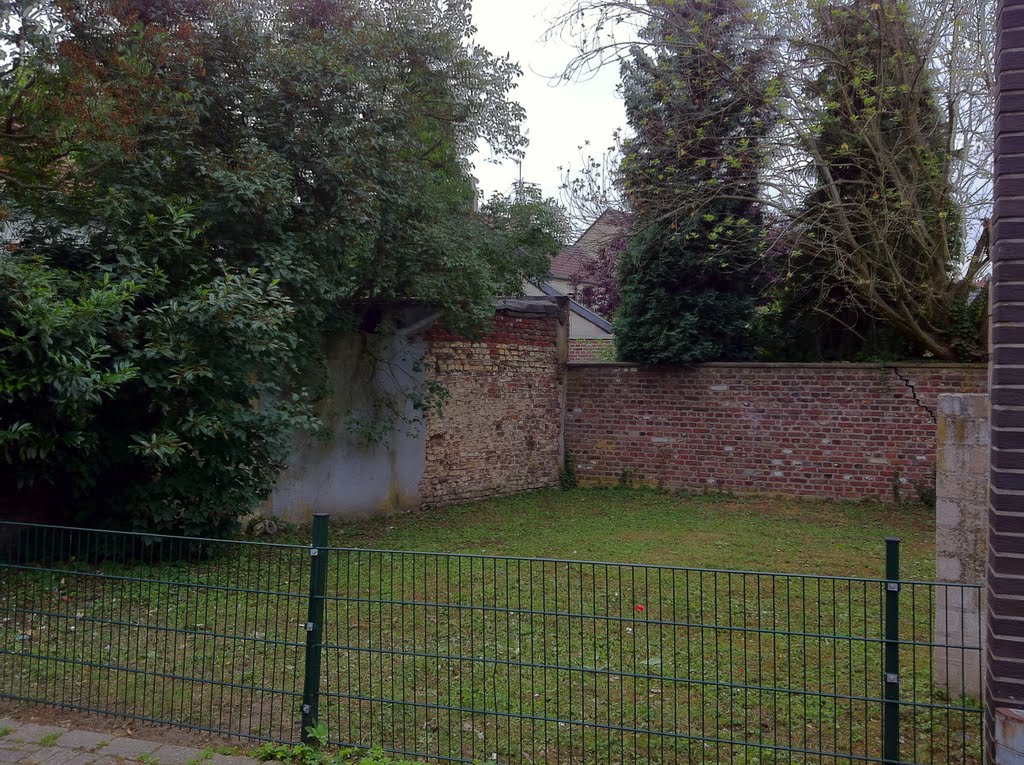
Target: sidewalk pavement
32, 744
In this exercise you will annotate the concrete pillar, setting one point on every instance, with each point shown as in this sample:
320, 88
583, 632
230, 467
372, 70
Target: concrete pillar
961, 540
1004, 664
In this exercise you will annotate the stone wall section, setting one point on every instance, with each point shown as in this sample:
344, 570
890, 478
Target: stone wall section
961, 541
501, 430
825, 430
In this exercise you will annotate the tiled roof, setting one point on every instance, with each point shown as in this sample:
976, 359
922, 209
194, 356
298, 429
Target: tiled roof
567, 262
609, 224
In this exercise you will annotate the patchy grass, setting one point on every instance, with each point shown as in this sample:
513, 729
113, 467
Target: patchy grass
641, 526
49, 739
518, 658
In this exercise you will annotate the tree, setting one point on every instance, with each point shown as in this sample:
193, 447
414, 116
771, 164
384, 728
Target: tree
597, 281
872, 296
195, 194
881, 234
527, 222
594, 186
691, 173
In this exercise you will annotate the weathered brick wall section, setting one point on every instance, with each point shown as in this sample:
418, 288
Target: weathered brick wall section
829, 430
500, 431
598, 349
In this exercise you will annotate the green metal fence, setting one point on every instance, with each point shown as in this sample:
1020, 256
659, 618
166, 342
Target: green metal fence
484, 658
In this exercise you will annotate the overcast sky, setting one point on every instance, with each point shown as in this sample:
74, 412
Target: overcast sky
560, 116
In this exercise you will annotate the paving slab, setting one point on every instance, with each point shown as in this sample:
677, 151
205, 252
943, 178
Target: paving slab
81, 758
176, 755
128, 748
50, 755
34, 744
34, 734
83, 739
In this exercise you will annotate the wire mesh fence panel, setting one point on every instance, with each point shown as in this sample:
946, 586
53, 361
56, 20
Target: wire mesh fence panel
515, 660
483, 658
941, 670
205, 634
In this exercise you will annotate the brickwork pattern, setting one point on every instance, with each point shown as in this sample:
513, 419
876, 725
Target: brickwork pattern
500, 431
827, 430
1005, 575
598, 349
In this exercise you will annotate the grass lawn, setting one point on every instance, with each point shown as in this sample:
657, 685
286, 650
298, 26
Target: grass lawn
641, 526
517, 659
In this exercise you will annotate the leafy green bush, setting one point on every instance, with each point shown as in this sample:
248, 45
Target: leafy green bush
195, 194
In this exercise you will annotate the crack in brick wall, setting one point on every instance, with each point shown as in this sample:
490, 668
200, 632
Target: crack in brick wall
913, 391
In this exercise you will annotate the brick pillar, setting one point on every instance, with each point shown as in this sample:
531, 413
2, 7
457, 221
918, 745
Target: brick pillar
1004, 676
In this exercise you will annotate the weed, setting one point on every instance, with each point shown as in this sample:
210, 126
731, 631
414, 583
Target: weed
6, 731
204, 755
567, 477
307, 754
376, 756
925, 491
627, 478
49, 739
299, 754
897, 498
317, 734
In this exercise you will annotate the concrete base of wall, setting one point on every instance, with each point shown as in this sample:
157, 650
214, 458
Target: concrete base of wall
1009, 737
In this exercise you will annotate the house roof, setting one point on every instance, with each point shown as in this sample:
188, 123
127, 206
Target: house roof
580, 310
568, 261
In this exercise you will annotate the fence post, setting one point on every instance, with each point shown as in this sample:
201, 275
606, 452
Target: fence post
314, 625
891, 704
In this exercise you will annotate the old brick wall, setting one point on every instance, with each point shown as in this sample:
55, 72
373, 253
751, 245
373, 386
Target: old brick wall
831, 430
501, 430
595, 349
